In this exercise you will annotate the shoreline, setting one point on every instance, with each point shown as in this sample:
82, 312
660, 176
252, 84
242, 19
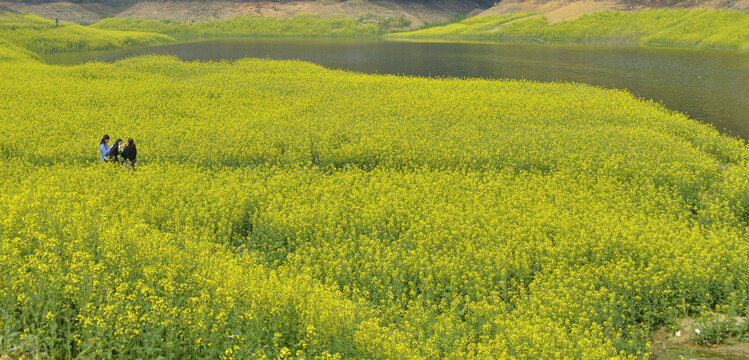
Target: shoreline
409, 40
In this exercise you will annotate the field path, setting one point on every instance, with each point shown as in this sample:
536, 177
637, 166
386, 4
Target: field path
512, 21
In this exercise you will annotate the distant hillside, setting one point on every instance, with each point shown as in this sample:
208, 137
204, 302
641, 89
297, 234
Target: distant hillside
418, 13
558, 10
701, 28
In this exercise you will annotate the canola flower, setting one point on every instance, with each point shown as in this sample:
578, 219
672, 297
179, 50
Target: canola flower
302, 25
701, 28
282, 210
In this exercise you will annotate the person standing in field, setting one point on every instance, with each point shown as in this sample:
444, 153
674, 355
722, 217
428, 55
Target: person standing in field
114, 151
129, 153
104, 148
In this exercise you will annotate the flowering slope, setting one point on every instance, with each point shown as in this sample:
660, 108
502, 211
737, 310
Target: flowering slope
280, 209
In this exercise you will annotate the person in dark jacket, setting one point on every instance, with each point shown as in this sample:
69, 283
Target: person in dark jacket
115, 151
129, 152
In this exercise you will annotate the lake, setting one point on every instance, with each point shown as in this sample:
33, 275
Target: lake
708, 85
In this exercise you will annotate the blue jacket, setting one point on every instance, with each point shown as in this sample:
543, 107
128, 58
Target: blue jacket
104, 151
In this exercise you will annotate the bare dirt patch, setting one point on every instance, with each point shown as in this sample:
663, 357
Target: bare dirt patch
575, 9
742, 5
669, 344
556, 10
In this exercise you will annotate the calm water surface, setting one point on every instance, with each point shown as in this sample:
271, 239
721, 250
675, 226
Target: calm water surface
710, 86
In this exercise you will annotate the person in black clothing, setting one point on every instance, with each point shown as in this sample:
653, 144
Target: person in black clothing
114, 151
129, 152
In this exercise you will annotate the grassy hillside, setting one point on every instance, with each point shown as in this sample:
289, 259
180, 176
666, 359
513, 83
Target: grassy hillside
682, 28
125, 3
663, 27
282, 210
300, 25
42, 35
468, 28
10, 52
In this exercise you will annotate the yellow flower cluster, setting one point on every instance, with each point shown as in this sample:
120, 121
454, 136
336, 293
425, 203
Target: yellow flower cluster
282, 210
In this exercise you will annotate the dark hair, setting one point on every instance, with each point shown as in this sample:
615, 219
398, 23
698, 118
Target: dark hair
118, 141
105, 137
130, 142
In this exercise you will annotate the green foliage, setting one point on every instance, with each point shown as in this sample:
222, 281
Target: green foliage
389, 24
283, 210
300, 25
720, 329
459, 17
672, 27
41, 35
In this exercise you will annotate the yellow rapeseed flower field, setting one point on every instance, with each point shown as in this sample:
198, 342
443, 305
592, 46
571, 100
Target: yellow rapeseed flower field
302, 25
282, 210
41, 35
702, 28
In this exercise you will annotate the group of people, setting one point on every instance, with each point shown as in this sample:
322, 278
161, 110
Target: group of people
112, 154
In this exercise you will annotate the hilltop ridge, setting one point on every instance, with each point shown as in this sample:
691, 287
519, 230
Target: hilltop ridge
417, 13
558, 10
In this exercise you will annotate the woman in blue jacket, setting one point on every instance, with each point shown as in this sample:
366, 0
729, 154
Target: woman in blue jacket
104, 148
